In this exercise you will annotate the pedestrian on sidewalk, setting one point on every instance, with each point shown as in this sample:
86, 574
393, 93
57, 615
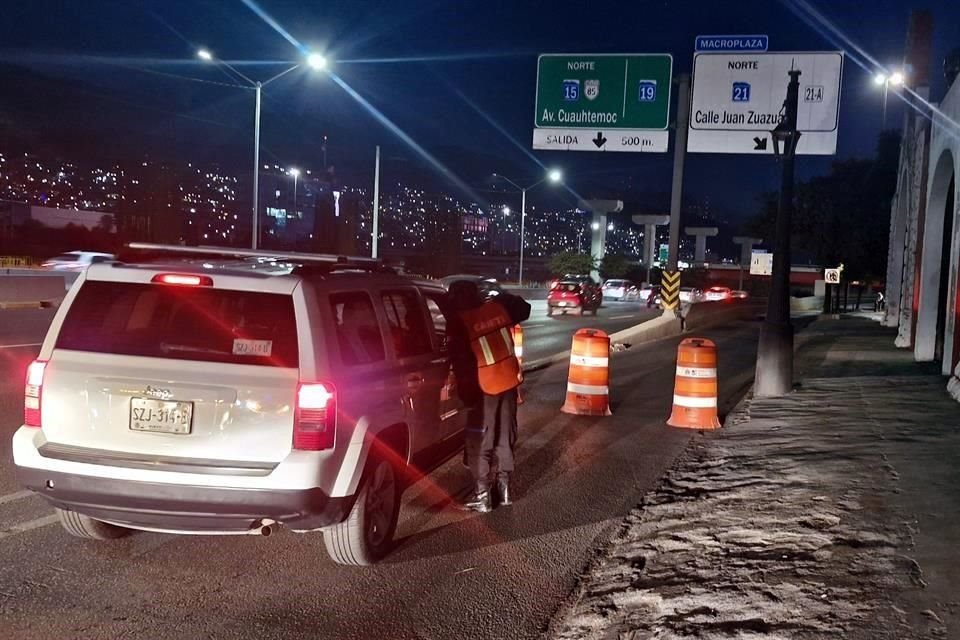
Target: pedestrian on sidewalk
488, 374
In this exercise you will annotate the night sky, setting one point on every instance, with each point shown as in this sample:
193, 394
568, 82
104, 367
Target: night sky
115, 80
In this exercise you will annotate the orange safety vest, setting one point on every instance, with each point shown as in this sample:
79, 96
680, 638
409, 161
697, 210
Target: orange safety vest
488, 328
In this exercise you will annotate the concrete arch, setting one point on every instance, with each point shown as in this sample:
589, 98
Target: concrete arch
936, 324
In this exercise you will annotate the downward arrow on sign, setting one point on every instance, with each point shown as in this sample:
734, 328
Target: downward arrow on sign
761, 144
599, 140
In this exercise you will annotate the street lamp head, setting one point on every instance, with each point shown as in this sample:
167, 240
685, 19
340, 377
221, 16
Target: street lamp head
294, 172
205, 55
316, 61
595, 226
880, 79
555, 175
896, 78
506, 210
610, 227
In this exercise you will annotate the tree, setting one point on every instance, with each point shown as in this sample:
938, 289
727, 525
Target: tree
614, 266
571, 262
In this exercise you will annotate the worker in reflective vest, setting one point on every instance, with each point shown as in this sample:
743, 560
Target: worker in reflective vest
488, 374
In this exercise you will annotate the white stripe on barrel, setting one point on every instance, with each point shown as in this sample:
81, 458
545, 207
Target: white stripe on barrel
694, 403
588, 389
697, 372
589, 361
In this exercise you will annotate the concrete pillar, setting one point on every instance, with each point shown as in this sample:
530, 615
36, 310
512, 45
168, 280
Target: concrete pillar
746, 248
650, 224
598, 227
701, 234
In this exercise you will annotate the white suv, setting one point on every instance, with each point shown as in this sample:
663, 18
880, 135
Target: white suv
233, 395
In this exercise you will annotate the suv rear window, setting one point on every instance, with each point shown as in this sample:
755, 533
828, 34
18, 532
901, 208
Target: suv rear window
182, 323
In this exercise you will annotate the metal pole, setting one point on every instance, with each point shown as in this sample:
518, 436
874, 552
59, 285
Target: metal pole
295, 194
523, 221
886, 86
679, 155
256, 173
775, 352
376, 204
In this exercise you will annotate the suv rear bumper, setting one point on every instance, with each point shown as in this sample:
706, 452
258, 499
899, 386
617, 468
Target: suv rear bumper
184, 508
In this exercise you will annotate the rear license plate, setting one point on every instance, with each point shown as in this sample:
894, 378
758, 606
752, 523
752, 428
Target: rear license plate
161, 416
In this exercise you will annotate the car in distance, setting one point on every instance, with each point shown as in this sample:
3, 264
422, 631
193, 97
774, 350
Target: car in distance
489, 287
716, 294
76, 260
209, 394
572, 296
739, 295
691, 295
618, 289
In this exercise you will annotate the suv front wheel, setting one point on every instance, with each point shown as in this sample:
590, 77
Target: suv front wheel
367, 534
81, 526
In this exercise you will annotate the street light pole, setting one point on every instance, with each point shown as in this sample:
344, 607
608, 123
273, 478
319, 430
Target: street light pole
523, 221
886, 89
313, 60
256, 171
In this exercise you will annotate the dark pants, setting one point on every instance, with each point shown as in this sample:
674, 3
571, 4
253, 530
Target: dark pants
491, 434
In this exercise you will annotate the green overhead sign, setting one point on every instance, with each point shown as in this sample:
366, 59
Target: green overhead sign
604, 91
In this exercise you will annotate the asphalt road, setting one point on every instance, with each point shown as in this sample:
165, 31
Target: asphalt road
548, 335
453, 575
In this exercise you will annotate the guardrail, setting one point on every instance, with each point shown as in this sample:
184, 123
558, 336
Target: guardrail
7, 262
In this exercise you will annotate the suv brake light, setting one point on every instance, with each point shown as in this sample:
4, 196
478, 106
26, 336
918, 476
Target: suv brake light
315, 418
183, 279
32, 392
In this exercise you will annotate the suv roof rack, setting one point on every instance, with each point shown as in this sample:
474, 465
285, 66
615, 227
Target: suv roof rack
305, 263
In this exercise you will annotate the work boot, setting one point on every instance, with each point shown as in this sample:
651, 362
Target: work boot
480, 502
503, 490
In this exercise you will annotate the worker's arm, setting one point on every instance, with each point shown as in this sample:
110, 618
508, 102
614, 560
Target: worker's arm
517, 308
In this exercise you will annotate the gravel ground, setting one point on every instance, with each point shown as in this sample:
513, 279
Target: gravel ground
793, 521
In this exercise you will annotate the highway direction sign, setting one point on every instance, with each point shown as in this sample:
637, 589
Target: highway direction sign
603, 102
737, 100
732, 43
761, 263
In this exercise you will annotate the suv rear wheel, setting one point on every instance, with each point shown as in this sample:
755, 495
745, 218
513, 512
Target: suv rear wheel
367, 534
81, 526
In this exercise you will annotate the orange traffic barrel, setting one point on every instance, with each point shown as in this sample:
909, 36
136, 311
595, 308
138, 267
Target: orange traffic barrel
588, 383
695, 392
518, 351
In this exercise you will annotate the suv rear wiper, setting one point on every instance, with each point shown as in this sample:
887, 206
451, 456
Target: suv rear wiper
166, 347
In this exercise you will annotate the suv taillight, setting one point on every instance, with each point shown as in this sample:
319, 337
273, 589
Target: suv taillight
32, 393
315, 418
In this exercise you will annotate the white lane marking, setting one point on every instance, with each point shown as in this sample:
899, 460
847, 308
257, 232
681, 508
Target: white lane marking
19, 495
632, 315
20, 346
530, 326
28, 526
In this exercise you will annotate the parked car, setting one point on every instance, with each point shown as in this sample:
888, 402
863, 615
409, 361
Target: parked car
489, 287
214, 397
714, 294
691, 295
76, 260
617, 289
566, 296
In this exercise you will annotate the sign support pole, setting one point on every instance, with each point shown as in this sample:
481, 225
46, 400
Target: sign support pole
679, 157
775, 351
376, 206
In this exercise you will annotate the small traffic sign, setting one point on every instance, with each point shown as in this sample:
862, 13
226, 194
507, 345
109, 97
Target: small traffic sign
831, 276
761, 263
732, 43
663, 253
603, 102
738, 99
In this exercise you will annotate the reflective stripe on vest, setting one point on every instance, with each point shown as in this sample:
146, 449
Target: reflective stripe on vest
492, 343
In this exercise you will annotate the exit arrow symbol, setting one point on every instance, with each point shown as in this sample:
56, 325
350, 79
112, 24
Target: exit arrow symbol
761, 144
600, 140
